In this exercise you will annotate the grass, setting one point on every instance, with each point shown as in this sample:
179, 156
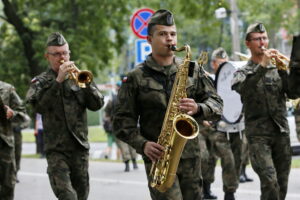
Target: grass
96, 134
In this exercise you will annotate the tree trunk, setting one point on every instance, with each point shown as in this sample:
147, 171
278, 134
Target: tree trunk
25, 34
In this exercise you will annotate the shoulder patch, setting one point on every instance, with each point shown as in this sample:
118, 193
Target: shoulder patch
34, 80
125, 79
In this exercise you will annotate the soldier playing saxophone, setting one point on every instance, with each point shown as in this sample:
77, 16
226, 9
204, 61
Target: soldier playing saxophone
144, 96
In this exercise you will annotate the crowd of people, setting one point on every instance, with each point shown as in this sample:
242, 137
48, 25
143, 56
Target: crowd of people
135, 116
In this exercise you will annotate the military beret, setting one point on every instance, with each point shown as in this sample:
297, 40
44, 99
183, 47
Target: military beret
56, 39
162, 17
219, 53
255, 28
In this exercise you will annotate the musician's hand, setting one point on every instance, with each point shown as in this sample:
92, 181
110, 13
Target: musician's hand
188, 106
9, 112
268, 55
153, 151
206, 123
64, 69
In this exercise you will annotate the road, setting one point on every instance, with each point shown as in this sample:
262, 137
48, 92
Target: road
109, 182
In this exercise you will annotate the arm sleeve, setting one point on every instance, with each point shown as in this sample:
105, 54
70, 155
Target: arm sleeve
93, 98
126, 116
43, 94
210, 104
16, 104
247, 79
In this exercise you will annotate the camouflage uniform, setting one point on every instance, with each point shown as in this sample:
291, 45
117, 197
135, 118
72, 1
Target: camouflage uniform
7, 158
17, 131
263, 92
208, 157
63, 109
144, 97
128, 153
229, 148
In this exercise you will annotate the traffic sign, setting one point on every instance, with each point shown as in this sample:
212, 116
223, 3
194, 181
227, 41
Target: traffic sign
139, 22
142, 50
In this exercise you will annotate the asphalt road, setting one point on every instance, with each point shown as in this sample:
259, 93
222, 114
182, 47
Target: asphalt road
109, 182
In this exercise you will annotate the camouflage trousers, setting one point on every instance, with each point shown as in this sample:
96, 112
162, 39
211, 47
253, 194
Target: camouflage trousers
229, 151
68, 174
128, 152
18, 146
187, 185
7, 172
297, 121
208, 157
270, 157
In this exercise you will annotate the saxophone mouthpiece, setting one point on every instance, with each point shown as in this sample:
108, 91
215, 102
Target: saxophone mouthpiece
172, 47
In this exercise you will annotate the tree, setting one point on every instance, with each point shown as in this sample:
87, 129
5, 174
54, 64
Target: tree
99, 32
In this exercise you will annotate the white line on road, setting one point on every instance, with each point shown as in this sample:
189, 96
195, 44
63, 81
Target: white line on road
103, 180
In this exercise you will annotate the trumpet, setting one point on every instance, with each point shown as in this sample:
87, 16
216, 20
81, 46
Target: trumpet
279, 60
81, 77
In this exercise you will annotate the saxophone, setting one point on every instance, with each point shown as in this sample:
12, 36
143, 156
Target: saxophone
177, 128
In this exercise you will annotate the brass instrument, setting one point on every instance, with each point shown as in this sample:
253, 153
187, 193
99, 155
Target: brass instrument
81, 77
177, 128
279, 60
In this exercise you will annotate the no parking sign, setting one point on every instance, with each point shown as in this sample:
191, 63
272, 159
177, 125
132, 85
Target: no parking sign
139, 22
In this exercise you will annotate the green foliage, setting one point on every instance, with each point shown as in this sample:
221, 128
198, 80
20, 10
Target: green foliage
100, 37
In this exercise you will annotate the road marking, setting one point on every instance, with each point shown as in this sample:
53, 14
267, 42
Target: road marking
114, 181
101, 180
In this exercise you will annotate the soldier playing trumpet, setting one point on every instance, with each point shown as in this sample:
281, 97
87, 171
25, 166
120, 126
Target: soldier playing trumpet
63, 105
263, 88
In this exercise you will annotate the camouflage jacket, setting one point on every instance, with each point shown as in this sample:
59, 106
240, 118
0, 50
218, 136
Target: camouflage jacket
144, 97
63, 109
11, 98
264, 92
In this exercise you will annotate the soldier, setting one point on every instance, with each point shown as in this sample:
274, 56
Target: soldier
263, 89
11, 110
208, 158
144, 96
227, 142
17, 130
128, 153
62, 104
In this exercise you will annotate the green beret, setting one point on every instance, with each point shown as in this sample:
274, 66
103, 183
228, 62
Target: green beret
219, 53
56, 39
162, 17
255, 28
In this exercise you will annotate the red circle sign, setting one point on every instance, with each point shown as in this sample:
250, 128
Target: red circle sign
139, 22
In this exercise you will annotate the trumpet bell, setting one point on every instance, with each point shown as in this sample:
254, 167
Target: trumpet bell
84, 77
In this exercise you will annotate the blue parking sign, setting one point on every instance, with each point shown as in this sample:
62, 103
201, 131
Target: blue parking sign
142, 50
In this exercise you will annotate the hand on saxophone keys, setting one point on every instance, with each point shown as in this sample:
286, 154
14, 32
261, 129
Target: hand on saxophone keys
153, 151
188, 106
